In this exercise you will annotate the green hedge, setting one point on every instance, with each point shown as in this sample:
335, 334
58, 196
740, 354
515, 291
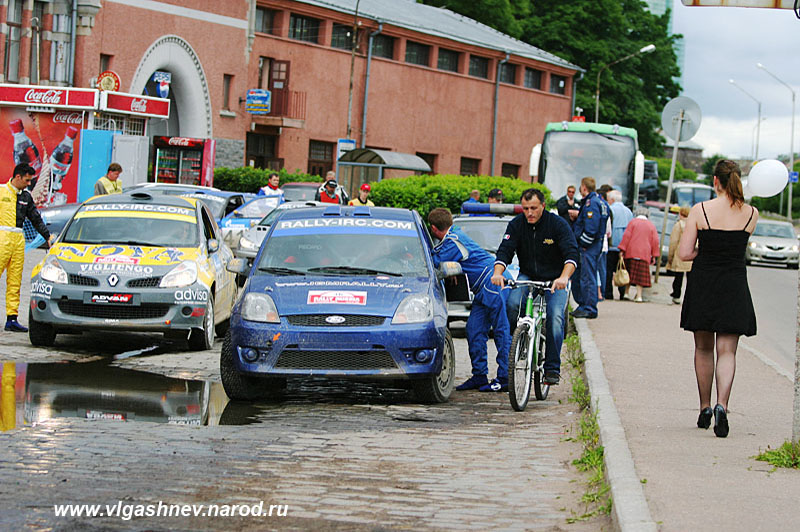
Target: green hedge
681, 173
247, 179
426, 192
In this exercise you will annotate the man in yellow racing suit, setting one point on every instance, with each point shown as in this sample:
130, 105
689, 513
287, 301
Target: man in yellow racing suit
16, 204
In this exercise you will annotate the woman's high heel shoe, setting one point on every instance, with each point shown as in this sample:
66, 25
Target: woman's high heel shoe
704, 419
720, 421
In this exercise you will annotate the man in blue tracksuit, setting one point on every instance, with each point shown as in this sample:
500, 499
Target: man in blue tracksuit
488, 305
589, 230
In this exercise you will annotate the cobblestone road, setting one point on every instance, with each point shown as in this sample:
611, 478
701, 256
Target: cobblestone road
342, 456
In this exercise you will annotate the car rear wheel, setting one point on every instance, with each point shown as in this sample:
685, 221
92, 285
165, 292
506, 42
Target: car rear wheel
437, 388
241, 387
203, 339
40, 334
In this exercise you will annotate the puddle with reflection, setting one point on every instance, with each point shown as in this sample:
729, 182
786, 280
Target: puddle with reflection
32, 393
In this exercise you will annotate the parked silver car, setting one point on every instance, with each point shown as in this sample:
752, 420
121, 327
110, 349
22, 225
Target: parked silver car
773, 242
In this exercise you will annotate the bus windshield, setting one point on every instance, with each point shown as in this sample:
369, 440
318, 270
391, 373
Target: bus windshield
570, 156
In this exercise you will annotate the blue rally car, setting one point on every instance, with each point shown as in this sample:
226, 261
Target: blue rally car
342, 292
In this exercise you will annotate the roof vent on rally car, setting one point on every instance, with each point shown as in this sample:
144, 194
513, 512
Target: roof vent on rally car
361, 210
141, 196
333, 210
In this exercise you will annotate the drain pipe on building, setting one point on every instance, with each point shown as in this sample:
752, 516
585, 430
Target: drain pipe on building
366, 85
496, 96
73, 30
575, 89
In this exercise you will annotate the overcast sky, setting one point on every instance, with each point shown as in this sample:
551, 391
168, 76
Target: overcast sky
723, 43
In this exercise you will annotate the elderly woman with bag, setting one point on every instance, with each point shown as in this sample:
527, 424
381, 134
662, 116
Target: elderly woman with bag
639, 248
674, 262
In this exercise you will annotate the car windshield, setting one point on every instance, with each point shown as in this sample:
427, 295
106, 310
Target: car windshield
689, 196
777, 230
257, 208
486, 234
300, 192
343, 254
215, 204
160, 230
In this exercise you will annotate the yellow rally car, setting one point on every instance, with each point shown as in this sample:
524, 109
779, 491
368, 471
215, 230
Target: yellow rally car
135, 261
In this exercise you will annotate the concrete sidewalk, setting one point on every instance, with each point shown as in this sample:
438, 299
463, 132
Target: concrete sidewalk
665, 473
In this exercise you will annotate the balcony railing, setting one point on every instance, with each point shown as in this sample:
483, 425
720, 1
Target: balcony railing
288, 104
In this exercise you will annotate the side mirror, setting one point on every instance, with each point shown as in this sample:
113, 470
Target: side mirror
448, 269
213, 245
237, 266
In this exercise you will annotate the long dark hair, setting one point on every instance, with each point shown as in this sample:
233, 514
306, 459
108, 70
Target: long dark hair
730, 179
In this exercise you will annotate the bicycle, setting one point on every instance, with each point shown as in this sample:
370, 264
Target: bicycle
526, 357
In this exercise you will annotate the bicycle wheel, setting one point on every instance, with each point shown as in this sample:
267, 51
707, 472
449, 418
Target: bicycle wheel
540, 389
519, 368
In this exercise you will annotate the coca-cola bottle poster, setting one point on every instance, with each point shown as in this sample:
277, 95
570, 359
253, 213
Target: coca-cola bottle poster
49, 142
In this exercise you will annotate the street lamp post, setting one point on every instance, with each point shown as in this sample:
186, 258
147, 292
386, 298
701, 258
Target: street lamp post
647, 49
758, 124
791, 135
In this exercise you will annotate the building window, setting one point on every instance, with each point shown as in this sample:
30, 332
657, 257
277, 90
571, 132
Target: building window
429, 158
508, 73
533, 78
129, 125
470, 166
263, 71
227, 81
320, 157
448, 60
478, 67
558, 84
383, 46
509, 170
417, 53
342, 37
14, 21
261, 150
304, 28
264, 20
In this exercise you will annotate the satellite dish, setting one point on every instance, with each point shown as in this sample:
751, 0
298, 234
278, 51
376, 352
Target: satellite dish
691, 117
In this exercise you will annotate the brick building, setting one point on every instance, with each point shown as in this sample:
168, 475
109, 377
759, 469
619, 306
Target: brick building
464, 97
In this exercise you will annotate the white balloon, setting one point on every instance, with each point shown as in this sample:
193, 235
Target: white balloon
768, 178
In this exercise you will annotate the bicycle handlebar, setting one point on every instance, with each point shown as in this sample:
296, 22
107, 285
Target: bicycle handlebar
537, 284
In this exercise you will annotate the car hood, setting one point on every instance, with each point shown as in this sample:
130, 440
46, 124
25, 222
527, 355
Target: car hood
366, 295
774, 241
120, 259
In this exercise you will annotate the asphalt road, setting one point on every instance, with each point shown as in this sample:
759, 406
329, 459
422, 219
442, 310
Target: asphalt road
774, 293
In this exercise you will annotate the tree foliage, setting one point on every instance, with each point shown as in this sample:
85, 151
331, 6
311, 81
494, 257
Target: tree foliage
591, 34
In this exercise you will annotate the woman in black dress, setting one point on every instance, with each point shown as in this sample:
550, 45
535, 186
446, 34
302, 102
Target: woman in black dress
717, 306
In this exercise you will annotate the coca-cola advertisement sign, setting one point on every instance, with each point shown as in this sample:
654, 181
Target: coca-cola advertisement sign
37, 96
45, 96
135, 104
49, 142
183, 142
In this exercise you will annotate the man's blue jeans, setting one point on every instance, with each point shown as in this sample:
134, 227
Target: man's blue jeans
554, 323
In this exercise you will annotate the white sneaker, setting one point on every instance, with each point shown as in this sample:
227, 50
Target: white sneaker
639, 300
676, 300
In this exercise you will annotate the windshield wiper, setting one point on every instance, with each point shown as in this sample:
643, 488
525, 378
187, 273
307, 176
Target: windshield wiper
352, 269
281, 271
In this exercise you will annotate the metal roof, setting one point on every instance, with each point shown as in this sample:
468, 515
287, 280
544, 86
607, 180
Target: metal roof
387, 159
441, 22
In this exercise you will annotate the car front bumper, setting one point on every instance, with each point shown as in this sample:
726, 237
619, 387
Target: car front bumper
773, 256
374, 351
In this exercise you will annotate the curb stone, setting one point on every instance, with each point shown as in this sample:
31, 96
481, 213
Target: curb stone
630, 510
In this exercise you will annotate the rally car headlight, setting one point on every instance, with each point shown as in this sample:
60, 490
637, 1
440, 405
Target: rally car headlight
414, 309
53, 272
260, 307
183, 274
246, 243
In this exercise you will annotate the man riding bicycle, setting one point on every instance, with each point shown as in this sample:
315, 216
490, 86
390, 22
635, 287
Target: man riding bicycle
547, 250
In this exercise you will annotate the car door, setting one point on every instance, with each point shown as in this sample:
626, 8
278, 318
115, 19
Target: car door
225, 292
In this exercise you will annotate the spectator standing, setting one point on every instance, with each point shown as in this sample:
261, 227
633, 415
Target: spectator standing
639, 248
16, 204
567, 207
547, 251
271, 189
590, 230
620, 218
495, 196
363, 197
717, 306
109, 183
488, 305
674, 262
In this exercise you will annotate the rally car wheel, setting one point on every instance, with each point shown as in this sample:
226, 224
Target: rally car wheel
241, 387
40, 334
437, 388
203, 339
